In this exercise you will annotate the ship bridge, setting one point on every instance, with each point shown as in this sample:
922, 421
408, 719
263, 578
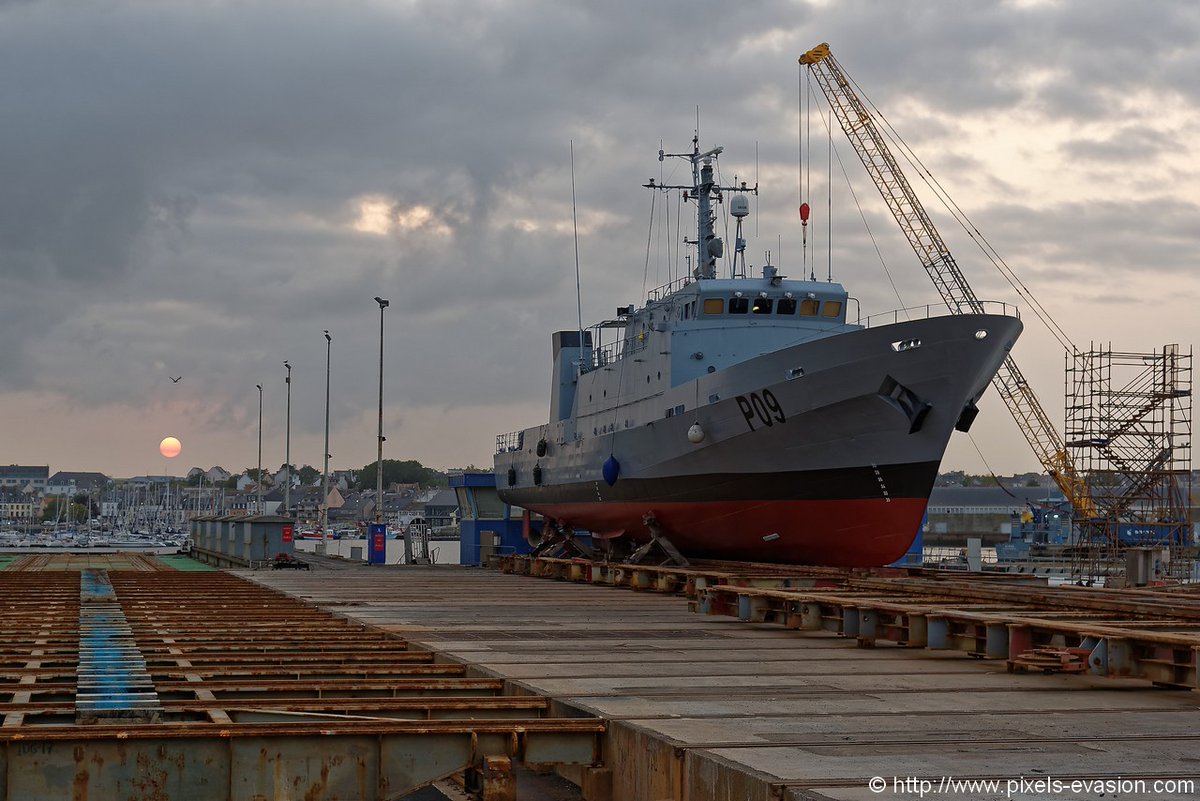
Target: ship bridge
692, 327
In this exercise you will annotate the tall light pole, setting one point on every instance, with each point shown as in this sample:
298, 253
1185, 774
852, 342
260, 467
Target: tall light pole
258, 508
383, 304
287, 447
325, 477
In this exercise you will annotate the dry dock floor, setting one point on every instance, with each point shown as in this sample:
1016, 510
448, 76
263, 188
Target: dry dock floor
712, 708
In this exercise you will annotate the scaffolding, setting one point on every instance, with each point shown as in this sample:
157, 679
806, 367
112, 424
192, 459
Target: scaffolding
1129, 430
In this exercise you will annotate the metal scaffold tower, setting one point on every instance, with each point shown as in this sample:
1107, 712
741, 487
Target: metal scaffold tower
1129, 428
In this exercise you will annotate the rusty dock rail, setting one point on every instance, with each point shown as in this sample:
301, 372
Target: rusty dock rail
1148, 634
169, 685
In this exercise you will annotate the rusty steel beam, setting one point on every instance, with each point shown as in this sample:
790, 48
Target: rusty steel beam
671, 579
528, 703
1162, 651
290, 688
1140, 603
172, 731
780, 576
366, 760
253, 673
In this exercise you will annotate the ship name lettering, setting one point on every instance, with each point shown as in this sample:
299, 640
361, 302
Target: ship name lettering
765, 408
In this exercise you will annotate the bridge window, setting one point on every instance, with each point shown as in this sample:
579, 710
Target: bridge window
763, 305
739, 305
713, 305
808, 307
833, 308
786, 306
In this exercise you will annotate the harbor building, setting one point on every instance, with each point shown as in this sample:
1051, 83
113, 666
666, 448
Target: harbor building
18, 475
956, 513
71, 483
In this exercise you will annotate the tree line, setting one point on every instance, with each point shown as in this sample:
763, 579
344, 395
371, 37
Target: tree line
395, 471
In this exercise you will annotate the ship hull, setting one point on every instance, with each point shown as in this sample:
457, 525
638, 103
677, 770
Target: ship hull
820, 453
838, 520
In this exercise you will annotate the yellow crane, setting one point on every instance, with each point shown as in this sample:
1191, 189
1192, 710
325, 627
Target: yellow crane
872, 148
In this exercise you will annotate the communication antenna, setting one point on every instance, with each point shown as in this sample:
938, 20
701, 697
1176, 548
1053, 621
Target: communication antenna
829, 198
575, 226
667, 204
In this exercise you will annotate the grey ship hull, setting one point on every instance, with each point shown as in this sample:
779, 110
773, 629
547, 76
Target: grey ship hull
820, 453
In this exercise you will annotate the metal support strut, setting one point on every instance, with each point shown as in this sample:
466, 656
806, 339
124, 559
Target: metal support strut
659, 541
561, 542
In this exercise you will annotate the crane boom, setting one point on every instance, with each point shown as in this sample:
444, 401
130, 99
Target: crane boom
872, 148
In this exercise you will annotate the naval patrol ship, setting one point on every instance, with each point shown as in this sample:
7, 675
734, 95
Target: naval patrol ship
746, 416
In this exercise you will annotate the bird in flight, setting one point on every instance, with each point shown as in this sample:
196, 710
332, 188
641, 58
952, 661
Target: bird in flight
174, 380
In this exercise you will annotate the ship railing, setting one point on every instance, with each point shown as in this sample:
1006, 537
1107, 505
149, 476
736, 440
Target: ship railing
605, 355
933, 310
666, 289
512, 441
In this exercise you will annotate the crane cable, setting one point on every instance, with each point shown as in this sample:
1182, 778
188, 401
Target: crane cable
875, 244
991, 472
863, 216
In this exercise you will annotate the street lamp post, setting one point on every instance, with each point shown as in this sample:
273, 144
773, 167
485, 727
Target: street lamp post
287, 447
325, 477
383, 304
258, 507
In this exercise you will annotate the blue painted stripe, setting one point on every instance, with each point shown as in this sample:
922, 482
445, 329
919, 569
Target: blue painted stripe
111, 675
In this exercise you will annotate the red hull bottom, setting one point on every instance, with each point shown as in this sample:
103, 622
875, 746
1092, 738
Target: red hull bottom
839, 533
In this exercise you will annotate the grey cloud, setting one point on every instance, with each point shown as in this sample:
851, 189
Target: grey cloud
179, 179
1122, 146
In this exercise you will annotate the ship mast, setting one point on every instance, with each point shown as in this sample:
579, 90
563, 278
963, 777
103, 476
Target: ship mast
709, 246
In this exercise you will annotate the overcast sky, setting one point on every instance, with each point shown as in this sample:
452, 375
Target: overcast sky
198, 189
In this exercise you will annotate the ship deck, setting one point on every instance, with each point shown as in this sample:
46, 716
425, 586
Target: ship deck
710, 707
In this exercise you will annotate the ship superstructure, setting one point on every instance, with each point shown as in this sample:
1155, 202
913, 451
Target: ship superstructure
745, 416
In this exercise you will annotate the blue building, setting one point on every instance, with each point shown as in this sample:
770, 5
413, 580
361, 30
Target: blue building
487, 525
